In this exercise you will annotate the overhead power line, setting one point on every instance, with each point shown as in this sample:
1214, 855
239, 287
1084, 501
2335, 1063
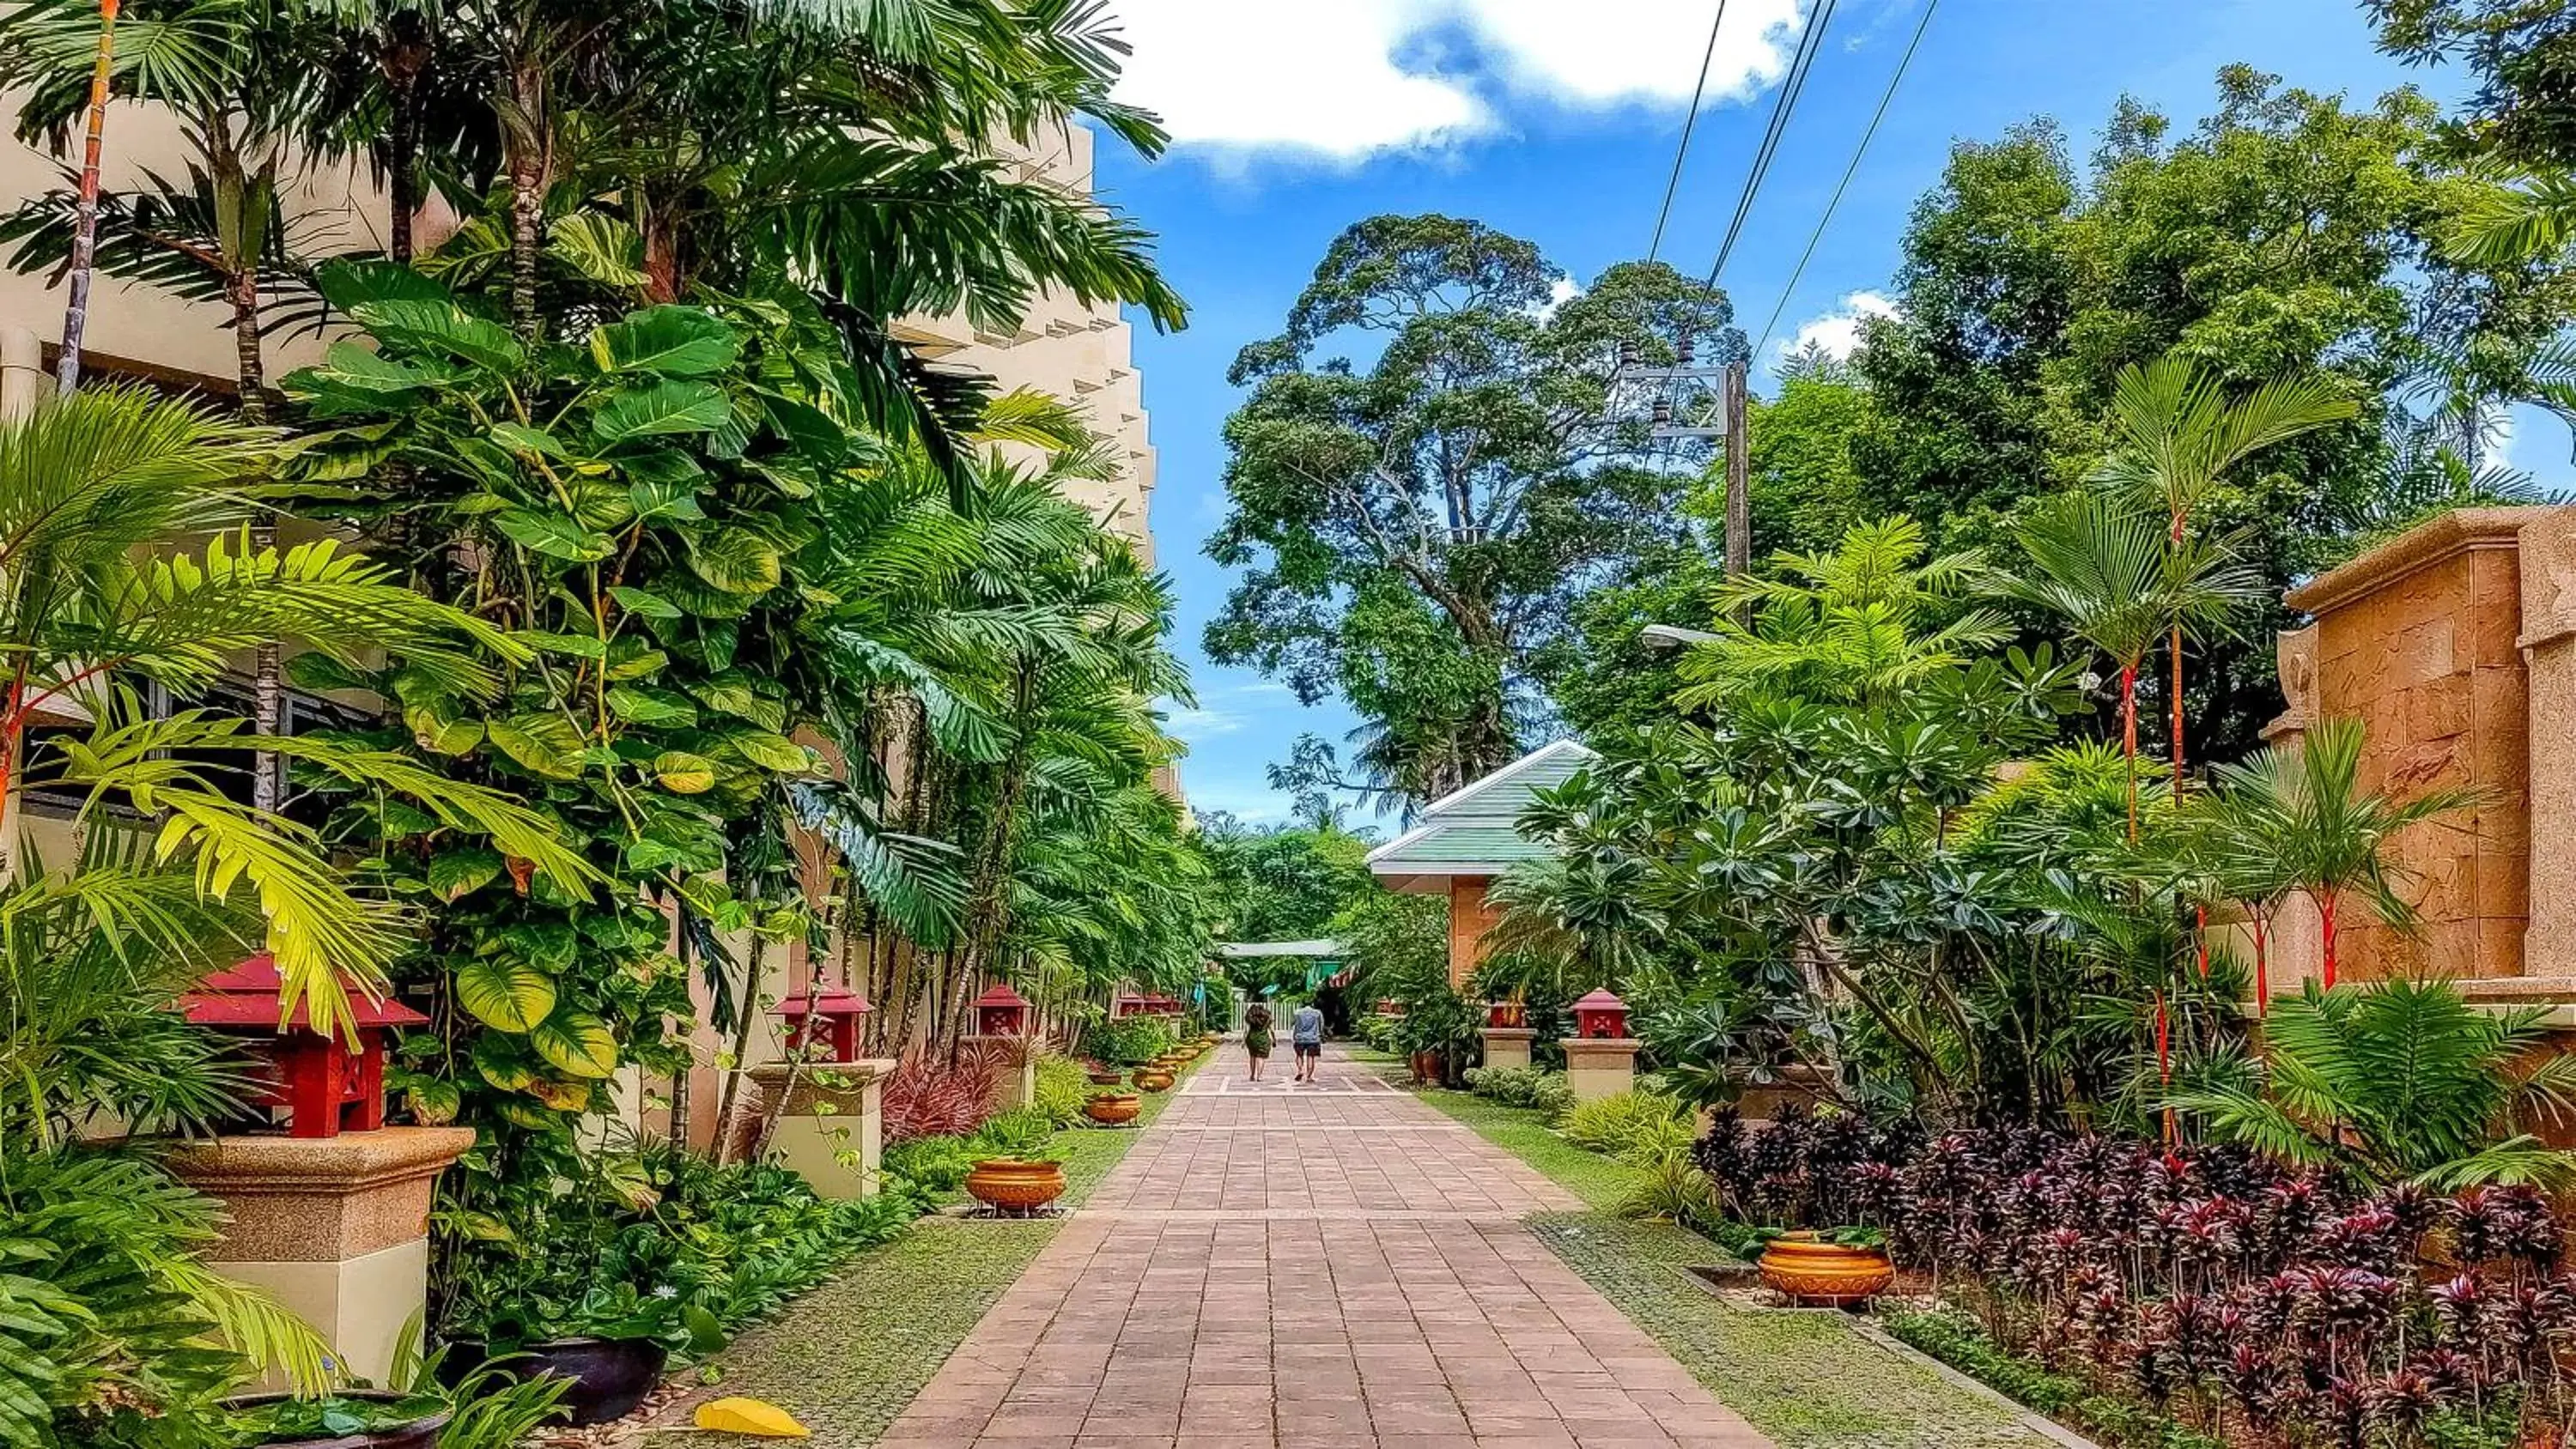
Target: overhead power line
1818, 235
1799, 65
1699, 88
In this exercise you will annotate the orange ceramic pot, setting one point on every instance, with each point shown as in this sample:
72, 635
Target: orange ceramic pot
1111, 1109
1154, 1079
1107, 1079
1801, 1267
1015, 1186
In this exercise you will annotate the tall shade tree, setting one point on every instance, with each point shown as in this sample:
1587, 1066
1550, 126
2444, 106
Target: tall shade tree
2037, 272
2304, 809
2175, 437
2109, 569
1415, 529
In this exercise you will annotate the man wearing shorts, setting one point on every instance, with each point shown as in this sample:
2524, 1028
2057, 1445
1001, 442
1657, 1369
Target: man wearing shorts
1306, 1032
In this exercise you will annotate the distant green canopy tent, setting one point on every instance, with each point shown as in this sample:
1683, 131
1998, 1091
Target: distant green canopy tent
1324, 958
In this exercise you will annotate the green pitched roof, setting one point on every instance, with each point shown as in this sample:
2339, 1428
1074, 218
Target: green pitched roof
1469, 833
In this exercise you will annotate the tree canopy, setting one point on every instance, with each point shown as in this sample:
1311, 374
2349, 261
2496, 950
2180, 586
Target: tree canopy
1431, 470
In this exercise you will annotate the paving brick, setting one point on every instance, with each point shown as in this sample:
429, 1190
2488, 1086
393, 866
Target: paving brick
1324, 1267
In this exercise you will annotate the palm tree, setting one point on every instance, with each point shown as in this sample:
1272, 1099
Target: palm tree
2114, 574
2402, 1081
97, 599
2175, 436
2303, 810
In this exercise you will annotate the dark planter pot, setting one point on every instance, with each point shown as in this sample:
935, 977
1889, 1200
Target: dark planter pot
610, 1376
418, 1433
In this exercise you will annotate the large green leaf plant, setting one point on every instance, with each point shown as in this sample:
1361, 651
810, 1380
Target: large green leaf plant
638, 513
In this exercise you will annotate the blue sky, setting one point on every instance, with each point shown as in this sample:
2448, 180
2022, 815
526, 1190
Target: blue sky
1556, 120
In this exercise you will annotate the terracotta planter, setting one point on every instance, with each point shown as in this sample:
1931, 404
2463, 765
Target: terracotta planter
1426, 1067
1112, 1109
610, 1376
1106, 1079
420, 1433
1154, 1079
1015, 1186
1801, 1267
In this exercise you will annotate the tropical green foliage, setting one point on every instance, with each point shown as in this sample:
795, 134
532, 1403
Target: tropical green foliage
1415, 530
2402, 1081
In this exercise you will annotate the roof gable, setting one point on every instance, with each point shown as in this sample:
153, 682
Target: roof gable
1469, 831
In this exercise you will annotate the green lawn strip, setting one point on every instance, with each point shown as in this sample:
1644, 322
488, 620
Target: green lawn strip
1598, 1180
1803, 1378
847, 1358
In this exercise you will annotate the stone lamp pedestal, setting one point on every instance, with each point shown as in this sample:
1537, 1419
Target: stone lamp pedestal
831, 1129
1508, 1046
1598, 1067
1016, 1077
336, 1227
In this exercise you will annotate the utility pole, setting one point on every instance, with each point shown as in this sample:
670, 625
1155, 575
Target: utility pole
1739, 501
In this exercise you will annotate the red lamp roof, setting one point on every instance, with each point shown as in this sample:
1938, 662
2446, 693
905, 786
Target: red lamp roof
830, 1001
1001, 994
247, 995
1601, 1000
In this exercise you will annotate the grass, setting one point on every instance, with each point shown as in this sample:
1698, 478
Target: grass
1805, 1379
1598, 1180
847, 1358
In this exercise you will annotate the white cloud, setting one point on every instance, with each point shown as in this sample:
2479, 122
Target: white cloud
1191, 726
1337, 80
1838, 331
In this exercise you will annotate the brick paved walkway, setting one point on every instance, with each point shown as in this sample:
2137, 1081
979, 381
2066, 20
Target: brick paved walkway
1325, 1267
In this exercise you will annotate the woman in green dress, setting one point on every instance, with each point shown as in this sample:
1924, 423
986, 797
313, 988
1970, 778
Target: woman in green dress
1256, 1036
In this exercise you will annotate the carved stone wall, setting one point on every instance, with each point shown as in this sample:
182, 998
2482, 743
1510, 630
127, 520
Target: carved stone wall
2455, 645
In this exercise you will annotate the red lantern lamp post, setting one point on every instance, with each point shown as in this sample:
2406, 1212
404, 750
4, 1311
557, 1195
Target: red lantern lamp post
1000, 1011
1601, 1017
1128, 1004
326, 1085
1504, 1013
829, 1020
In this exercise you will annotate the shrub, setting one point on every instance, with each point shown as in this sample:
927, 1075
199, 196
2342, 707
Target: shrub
1674, 1190
924, 1098
1636, 1127
1531, 1087
1129, 1040
1018, 1131
1063, 1086
930, 1166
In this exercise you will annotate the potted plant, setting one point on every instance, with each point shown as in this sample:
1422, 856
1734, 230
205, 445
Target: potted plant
1842, 1267
609, 1344
1112, 1109
1013, 1184
1104, 1076
347, 1419
1154, 1079
1796, 1180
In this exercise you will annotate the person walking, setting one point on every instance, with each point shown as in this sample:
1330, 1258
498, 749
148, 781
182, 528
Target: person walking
1306, 1033
1256, 1036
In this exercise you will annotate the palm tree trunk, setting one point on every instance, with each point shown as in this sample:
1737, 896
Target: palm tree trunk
2262, 966
268, 685
2129, 739
67, 363
527, 190
2177, 715
2326, 914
